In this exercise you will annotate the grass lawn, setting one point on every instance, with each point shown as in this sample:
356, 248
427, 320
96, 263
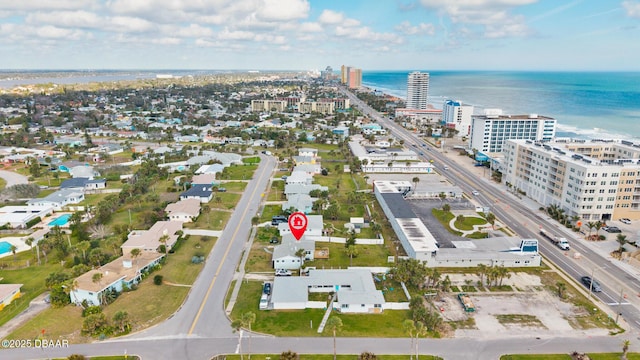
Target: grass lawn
251, 160
468, 222
49, 320
270, 211
227, 200
298, 322
179, 269
238, 172
368, 255
238, 186
213, 220
3, 183
33, 280
444, 217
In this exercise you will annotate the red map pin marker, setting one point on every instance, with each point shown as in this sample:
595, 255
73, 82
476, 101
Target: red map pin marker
298, 224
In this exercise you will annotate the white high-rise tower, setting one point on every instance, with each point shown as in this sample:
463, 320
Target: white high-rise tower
417, 90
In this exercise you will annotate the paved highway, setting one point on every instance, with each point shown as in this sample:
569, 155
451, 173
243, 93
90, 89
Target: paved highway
526, 221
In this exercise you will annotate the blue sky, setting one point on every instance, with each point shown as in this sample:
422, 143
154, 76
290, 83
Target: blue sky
311, 34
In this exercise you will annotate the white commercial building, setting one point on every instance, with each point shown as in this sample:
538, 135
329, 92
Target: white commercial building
490, 131
417, 90
457, 115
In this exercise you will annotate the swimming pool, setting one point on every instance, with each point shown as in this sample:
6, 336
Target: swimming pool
5, 247
61, 220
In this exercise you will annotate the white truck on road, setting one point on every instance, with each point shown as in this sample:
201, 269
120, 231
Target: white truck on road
560, 242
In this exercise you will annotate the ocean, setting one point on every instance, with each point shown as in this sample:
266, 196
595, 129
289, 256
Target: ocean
585, 104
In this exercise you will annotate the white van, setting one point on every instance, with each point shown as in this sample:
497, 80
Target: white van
264, 302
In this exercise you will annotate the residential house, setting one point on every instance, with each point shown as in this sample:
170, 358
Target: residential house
354, 288
298, 202
204, 178
123, 272
312, 153
284, 255
59, 199
315, 226
303, 189
210, 169
310, 169
18, 216
83, 171
299, 177
184, 210
84, 183
149, 240
202, 192
8, 293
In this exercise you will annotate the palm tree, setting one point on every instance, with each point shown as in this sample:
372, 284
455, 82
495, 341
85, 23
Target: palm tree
367, 356
598, 226
247, 319
301, 253
334, 324
622, 240
97, 279
13, 249
420, 331
163, 240
481, 271
83, 246
491, 219
591, 225
410, 327
351, 253
236, 325
415, 180
625, 349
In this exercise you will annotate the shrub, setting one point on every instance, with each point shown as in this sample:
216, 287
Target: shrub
91, 310
76, 357
157, 279
33, 221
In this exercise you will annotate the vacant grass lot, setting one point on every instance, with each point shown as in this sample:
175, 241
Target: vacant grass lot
237, 186
212, 220
238, 172
368, 255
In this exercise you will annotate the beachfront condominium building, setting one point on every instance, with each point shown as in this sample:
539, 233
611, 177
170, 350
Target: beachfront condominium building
456, 115
491, 130
593, 180
417, 90
351, 76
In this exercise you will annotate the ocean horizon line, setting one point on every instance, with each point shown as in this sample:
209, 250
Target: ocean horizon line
335, 70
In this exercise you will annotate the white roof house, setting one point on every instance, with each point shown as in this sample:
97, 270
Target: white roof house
58, 199
356, 292
299, 177
303, 189
284, 255
315, 225
19, 216
308, 152
83, 171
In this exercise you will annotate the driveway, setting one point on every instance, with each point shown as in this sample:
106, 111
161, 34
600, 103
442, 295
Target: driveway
13, 178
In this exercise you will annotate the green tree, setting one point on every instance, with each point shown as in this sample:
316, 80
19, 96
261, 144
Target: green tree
163, 240
446, 207
289, 355
625, 348
562, 287
83, 246
491, 219
135, 253
351, 251
13, 249
367, 356
410, 327
622, 240
121, 321
334, 324
95, 324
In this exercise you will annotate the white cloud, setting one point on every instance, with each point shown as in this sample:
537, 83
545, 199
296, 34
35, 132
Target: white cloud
80, 19
492, 16
365, 33
406, 28
309, 27
278, 10
227, 34
271, 39
167, 41
130, 24
40, 5
330, 17
193, 30
632, 8
53, 32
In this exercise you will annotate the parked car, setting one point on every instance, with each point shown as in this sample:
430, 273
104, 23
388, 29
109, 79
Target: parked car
613, 229
274, 240
266, 288
275, 220
283, 272
625, 221
592, 284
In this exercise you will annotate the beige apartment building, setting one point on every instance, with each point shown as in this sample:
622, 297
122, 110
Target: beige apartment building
594, 180
268, 105
307, 107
